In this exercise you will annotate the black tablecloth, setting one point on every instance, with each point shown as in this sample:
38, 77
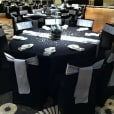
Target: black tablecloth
51, 69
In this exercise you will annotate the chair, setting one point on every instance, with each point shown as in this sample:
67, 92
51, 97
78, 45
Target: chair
5, 84
23, 12
106, 37
27, 82
105, 82
25, 25
16, 17
81, 86
85, 23
3, 41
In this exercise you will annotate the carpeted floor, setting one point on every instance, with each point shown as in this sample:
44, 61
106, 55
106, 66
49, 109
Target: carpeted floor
21, 109
8, 29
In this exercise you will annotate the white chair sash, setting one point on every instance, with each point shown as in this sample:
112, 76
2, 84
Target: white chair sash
84, 80
85, 23
109, 28
21, 72
109, 60
24, 25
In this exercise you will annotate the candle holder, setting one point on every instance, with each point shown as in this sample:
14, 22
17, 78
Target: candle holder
55, 32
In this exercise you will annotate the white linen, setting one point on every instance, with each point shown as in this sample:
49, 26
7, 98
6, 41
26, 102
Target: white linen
82, 88
32, 33
46, 27
28, 32
25, 47
65, 27
80, 39
71, 69
19, 37
48, 51
21, 72
75, 47
82, 29
91, 34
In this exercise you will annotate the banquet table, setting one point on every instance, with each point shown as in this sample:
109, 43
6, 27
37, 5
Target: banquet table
51, 69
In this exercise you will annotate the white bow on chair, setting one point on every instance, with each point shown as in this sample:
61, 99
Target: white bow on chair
109, 60
84, 80
21, 72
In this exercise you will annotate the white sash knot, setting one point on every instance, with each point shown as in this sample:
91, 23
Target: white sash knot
81, 91
21, 72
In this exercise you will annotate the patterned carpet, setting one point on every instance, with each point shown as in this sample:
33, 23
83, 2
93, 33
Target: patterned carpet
8, 29
6, 98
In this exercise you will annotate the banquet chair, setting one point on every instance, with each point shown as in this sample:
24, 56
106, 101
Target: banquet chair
52, 21
27, 82
38, 21
24, 25
3, 40
27, 8
81, 86
81, 12
106, 37
23, 12
16, 17
106, 90
87, 23
5, 84
34, 11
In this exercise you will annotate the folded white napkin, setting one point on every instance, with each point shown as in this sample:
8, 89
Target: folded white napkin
49, 51
46, 27
30, 14
19, 37
40, 14
65, 27
82, 29
32, 33
25, 46
24, 16
75, 47
91, 34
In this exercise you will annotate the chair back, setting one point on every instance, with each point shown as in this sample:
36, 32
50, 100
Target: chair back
109, 28
25, 25
3, 41
85, 23
107, 36
23, 12
52, 21
35, 11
